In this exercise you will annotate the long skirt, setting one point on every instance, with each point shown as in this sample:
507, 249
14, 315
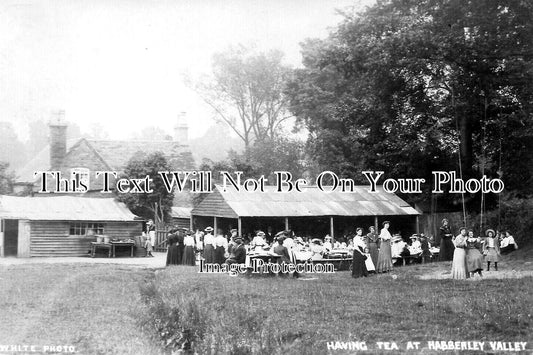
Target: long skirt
180, 248
172, 255
474, 260
459, 264
219, 255
188, 256
446, 249
384, 257
492, 255
209, 254
374, 252
358, 265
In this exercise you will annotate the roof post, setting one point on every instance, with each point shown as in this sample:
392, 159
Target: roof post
215, 227
239, 226
286, 223
376, 225
331, 229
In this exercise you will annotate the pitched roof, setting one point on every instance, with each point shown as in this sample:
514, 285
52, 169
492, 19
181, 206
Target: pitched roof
39, 162
309, 202
116, 154
64, 208
180, 212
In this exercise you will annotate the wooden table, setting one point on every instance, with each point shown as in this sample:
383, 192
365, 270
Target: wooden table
111, 247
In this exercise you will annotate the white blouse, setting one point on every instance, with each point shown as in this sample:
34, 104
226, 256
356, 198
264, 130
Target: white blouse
385, 234
209, 239
188, 241
220, 241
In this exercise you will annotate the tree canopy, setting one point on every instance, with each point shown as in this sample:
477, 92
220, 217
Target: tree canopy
246, 92
156, 205
410, 87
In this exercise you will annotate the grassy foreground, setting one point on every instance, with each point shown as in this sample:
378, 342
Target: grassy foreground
119, 309
93, 308
240, 315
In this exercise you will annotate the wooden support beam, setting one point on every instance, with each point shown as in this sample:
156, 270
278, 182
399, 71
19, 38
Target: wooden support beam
239, 227
331, 227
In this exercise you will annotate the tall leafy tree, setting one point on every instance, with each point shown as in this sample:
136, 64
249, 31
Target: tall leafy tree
246, 92
155, 205
412, 86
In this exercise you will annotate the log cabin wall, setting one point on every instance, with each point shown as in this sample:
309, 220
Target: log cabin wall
51, 238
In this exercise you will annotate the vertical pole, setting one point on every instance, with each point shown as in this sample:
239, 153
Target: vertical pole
417, 225
331, 227
191, 225
239, 226
286, 223
215, 227
376, 225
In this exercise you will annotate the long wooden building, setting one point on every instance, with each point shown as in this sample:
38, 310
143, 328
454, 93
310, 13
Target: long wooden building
62, 225
311, 212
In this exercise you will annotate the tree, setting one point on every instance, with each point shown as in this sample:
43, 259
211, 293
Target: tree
246, 92
156, 205
152, 133
12, 150
409, 86
262, 158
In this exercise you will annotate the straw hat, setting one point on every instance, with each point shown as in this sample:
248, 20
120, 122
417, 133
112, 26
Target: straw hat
209, 229
490, 230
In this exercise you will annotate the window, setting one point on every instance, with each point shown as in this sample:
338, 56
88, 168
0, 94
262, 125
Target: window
86, 228
81, 175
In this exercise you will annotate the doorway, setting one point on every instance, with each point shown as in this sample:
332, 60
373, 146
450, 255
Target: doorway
11, 236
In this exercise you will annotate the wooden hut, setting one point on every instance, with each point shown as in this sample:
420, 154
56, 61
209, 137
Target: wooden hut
311, 212
62, 225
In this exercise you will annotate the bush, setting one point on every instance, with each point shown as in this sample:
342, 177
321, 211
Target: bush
514, 214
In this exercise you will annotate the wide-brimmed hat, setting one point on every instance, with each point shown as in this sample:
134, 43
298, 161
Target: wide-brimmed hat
328, 237
280, 234
233, 230
238, 240
150, 222
209, 229
260, 234
490, 230
397, 238
414, 236
316, 241
386, 222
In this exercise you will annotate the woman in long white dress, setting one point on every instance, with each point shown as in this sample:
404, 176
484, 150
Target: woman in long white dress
459, 267
384, 255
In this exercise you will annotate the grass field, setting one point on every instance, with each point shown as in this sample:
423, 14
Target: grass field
110, 309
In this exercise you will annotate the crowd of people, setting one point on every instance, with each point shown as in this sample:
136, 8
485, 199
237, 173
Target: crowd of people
370, 252
468, 252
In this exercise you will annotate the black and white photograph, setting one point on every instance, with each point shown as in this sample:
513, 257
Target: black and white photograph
266, 177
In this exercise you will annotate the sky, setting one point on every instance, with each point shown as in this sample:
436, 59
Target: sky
120, 63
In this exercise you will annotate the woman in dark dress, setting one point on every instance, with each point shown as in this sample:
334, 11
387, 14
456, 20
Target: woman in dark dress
359, 257
372, 239
446, 243
172, 252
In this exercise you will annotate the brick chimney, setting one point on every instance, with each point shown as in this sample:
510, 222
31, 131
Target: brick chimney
57, 139
181, 130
